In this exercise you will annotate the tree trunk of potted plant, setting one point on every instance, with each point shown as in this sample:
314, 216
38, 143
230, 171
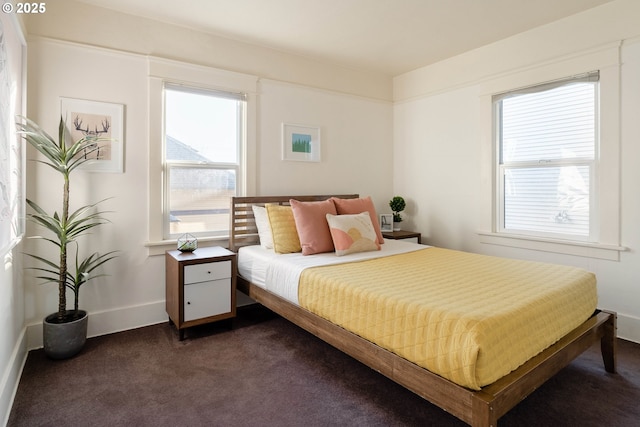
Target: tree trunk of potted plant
64, 332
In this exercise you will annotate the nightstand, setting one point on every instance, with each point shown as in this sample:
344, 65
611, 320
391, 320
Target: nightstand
402, 234
200, 286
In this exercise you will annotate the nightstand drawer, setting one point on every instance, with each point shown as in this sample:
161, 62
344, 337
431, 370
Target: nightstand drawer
209, 271
207, 299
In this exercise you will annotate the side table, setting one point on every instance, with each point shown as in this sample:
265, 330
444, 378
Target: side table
200, 286
403, 234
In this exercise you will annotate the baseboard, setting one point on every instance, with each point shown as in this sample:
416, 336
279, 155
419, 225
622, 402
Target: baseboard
110, 321
122, 319
119, 319
11, 376
629, 328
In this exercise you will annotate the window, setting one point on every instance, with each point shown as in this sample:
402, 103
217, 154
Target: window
547, 139
203, 140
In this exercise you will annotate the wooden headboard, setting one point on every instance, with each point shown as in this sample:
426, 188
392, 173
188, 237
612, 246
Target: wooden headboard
243, 230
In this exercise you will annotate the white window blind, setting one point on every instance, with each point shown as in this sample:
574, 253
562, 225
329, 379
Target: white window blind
547, 140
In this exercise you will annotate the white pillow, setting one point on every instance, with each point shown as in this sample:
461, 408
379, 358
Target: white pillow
264, 228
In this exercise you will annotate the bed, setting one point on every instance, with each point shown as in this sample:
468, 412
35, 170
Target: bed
476, 404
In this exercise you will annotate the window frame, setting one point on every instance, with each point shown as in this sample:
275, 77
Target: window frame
160, 72
238, 166
608, 246
503, 166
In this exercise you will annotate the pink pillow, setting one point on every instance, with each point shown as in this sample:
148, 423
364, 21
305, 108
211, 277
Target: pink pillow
311, 222
356, 206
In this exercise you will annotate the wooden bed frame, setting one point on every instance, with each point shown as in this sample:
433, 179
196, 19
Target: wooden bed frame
476, 408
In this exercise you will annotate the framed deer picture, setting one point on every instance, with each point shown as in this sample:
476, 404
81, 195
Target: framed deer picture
101, 122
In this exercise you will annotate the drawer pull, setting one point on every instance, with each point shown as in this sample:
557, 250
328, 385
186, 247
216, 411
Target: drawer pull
188, 302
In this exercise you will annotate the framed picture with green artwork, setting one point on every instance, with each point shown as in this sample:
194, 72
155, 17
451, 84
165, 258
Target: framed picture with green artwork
300, 142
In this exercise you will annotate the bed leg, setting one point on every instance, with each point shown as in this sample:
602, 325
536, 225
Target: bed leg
483, 412
608, 343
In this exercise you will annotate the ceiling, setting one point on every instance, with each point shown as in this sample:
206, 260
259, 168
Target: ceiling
387, 36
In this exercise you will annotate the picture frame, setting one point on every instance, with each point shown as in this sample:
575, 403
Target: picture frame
300, 143
386, 222
99, 120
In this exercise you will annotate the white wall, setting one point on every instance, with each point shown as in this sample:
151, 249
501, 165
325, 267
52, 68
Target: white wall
77, 21
443, 148
356, 147
355, 131
136, 282
13, 348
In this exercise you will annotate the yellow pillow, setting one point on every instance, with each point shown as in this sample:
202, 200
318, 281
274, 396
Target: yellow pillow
283, 229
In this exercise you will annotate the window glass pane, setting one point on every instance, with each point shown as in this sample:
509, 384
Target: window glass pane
547, 200
199, 199
547, 136
203, 136
201, 127
554, 124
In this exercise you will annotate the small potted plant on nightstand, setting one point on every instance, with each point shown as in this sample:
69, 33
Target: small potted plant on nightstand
397, 205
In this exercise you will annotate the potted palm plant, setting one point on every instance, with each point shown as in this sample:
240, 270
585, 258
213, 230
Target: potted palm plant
397, 205
64, 332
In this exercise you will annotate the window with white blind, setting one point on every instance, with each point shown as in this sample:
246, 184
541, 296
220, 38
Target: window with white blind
547, 139
204, 130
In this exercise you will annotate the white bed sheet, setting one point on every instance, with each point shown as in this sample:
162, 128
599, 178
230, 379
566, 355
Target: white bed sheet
280, 273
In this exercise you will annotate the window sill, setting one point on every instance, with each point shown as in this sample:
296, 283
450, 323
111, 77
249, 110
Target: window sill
589, 250
160, 247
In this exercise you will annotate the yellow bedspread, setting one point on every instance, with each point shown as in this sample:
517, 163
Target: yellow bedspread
469, 318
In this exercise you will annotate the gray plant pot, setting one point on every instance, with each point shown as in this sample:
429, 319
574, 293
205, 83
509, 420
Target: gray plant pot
64, 340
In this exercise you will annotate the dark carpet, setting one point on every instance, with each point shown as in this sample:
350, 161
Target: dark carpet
268, 372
